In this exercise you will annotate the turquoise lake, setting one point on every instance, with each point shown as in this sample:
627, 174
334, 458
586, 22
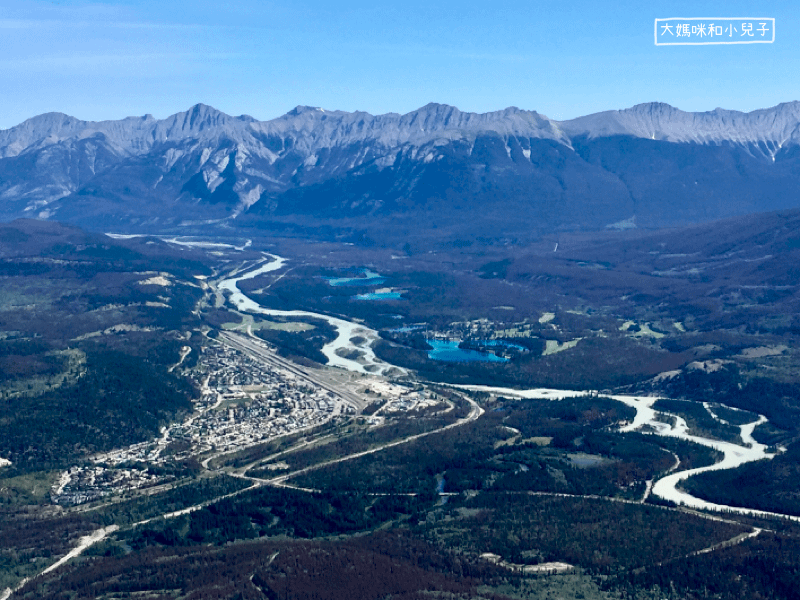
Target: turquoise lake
450, 352
379, 296
369, 278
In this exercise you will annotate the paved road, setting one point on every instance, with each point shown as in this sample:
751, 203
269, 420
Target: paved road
475, 412
261, 352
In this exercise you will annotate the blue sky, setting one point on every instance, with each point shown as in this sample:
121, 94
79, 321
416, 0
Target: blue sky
111, 59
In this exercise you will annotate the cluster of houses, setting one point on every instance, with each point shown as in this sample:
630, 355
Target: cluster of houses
243, 402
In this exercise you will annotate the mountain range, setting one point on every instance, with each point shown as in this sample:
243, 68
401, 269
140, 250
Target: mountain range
511, 173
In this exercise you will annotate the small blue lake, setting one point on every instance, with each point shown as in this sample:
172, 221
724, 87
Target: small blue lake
450, 352
379, 296
368, 278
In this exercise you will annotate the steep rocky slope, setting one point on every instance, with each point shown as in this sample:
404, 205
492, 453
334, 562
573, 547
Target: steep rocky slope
517, 171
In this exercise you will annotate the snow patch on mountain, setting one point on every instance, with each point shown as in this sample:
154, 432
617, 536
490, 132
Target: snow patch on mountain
770, 128
189, 154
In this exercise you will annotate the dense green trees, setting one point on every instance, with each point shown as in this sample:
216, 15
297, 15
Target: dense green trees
778, 401
766, 567
301, 344
771, 485
121, 399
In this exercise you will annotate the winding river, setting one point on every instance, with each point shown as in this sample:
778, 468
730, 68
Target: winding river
359, 357
646, 418
341, 351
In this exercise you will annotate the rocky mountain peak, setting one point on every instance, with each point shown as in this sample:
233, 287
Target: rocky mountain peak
767, 129
203, 154
32, 131
301, 110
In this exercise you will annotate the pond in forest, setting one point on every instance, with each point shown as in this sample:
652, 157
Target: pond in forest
450, 352
364, 277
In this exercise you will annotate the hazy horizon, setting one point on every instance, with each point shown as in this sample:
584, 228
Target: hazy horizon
115, 58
